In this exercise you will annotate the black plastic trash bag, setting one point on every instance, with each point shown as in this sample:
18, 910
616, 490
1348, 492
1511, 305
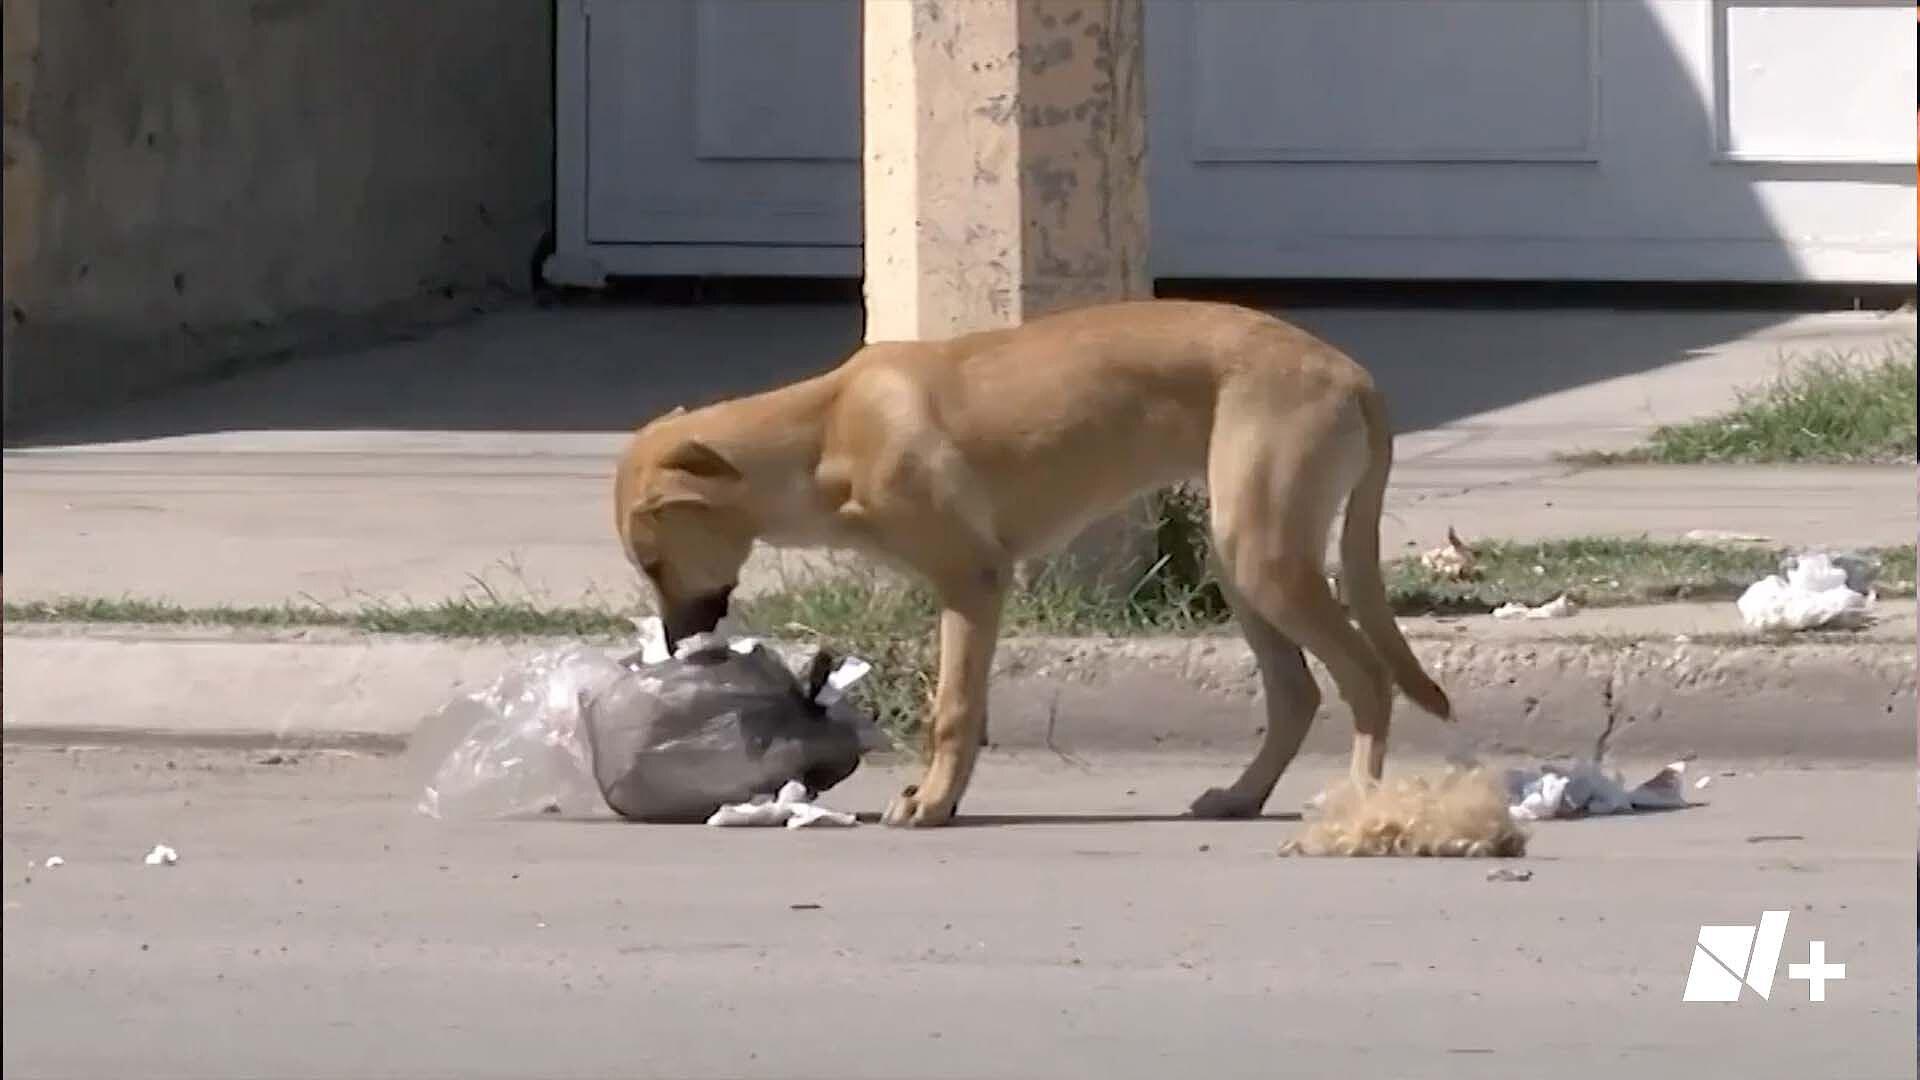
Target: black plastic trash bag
719, 723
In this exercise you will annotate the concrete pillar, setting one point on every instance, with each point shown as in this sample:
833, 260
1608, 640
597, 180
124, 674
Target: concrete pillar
1005, 178
1005, 161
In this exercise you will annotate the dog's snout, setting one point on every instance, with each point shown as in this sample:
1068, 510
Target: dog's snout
700, 615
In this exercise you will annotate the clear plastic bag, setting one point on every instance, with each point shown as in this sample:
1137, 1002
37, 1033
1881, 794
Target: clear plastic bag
516, 748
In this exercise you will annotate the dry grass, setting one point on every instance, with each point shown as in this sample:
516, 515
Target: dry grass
1461, 813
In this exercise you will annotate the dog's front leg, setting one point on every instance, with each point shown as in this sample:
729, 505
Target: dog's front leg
969, 630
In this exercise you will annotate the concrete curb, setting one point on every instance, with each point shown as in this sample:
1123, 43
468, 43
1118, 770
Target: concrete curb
1822, 701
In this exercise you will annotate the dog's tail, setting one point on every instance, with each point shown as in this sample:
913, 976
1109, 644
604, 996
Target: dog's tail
1365, 589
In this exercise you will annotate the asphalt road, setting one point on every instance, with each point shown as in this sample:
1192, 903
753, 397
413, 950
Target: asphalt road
315, 927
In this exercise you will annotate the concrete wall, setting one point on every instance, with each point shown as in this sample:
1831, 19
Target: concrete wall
191, 182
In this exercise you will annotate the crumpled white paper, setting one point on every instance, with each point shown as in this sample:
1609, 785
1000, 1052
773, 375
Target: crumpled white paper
1814, 592
1583, 789
790, 808
1557, 608
162, 855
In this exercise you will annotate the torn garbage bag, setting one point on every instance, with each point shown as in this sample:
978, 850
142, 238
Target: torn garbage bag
682, 734
719, 723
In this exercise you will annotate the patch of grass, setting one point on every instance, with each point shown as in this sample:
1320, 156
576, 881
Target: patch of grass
1607, 572
1827, 410
458, 618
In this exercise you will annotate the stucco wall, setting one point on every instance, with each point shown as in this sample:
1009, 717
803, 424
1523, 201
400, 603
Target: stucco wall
192, 181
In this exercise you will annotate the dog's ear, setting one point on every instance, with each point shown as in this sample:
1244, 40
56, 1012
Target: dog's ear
696, 458
689, 474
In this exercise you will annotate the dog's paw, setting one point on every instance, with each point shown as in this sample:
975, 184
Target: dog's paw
900, 811
909, 810
1220, 803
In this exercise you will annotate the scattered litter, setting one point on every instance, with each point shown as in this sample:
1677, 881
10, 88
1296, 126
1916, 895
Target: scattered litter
162, 855
1453, 561
1702, 782
661, 735
1557, 608
1723, 536
1584, 789
54, 861
1462, 813
1812, 590
1681, 639
803, 907
791, 807
279, 759
1507, 874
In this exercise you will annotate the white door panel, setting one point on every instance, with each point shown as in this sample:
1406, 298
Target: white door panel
1757, 140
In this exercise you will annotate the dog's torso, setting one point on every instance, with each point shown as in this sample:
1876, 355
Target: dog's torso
1048, 426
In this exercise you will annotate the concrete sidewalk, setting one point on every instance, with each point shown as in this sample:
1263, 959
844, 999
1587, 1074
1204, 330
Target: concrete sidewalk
481, 456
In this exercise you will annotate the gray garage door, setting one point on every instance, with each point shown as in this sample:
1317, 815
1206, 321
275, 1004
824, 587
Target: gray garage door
1588, 139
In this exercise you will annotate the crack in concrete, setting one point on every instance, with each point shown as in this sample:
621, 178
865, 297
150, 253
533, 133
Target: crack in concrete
1609, 707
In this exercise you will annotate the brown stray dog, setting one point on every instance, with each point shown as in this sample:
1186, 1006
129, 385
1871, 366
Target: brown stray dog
955, 459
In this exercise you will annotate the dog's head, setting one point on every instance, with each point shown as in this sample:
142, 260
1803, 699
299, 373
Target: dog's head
681, 509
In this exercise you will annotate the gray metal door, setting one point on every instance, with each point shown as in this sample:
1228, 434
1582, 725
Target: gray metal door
711, 136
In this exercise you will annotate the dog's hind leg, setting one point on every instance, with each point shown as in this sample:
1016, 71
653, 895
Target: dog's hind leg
1273, 508
1310, 615
1292, 697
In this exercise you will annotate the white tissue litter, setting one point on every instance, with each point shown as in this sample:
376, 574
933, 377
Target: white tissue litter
653, 640
1816, 590
55, 861
1557, 608
162, 855
1584, 790
790, 808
